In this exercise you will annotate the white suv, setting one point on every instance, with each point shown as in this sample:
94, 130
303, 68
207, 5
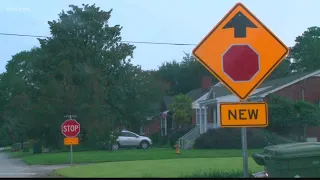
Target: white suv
130, 139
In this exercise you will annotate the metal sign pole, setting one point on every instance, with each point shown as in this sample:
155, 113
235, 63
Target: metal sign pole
244, 152
71, 154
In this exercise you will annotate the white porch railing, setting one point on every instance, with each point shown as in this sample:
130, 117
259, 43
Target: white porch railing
188, 139
212, 126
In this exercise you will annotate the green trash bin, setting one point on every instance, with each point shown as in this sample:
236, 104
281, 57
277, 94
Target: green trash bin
291, 160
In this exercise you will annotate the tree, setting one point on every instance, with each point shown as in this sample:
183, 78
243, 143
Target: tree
304, 53
287, 116
182, 77
16, 89
192, 72
82, 69
182, 108
84, 60
169, 72
283, 70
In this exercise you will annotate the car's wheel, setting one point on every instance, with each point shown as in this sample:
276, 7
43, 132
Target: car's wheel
144, 145
115, 146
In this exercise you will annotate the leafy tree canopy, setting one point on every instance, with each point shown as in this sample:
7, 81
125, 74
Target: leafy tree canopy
181, 108
82, 69
304, 53
284, 112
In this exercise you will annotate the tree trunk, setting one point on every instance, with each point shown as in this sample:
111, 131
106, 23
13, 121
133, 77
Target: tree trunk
304, 133
21, 145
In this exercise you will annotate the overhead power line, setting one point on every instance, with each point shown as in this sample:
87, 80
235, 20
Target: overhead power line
133, 42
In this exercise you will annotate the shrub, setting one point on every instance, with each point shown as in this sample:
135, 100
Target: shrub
215, 174
26, 149
37, 147
172, 137
155, 137
176, 134
227, 138
163, 140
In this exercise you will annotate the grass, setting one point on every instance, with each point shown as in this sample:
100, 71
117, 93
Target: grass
159, 168
216, 174
124, 155
19, 154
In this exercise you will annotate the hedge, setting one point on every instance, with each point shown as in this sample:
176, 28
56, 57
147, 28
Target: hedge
230, 138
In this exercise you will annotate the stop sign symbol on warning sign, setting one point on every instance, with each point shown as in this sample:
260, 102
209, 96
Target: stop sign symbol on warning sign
241, 62
70, 128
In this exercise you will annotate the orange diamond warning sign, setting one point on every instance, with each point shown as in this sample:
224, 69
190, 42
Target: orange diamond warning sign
241, 51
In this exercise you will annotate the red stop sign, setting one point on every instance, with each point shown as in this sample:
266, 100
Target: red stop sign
70, 128
241, 62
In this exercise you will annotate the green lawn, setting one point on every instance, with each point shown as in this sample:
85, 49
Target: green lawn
19, 154
158, 168
126, 155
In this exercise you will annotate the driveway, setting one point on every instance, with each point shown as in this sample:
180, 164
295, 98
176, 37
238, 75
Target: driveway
10, 167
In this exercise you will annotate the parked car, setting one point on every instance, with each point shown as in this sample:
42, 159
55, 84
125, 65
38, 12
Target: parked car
127, 139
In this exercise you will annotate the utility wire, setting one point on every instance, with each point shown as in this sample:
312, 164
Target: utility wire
133, 42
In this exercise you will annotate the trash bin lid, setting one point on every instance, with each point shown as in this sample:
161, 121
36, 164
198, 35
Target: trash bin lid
293, 150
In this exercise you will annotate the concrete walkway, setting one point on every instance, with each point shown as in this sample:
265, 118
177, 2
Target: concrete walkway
11, 167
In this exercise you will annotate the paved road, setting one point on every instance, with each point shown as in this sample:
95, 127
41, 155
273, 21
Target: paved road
10, 167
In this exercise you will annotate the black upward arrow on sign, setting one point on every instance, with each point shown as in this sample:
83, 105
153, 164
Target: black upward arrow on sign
240, 23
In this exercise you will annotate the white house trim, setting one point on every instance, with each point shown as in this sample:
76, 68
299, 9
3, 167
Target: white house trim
195, 104
316, 73
227, 98
165, 112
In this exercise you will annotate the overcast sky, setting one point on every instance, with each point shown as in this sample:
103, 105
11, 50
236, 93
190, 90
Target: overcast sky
177, 21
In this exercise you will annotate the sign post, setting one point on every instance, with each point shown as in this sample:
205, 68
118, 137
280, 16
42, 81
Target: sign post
244, 151
241, 52
244, 115
70, 129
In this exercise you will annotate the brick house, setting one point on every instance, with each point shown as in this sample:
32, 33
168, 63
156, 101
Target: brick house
304, 86
162, 123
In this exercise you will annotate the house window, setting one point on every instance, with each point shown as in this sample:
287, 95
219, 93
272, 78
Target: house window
127, 134
173, 125
198, 115
302, 94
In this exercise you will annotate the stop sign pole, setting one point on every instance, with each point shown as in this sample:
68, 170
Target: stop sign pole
70, 128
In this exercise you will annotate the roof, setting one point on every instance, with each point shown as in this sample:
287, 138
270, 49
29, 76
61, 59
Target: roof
155, 106
167, 101
265, 88
270, 86
193, 94
197, 93
274, 84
